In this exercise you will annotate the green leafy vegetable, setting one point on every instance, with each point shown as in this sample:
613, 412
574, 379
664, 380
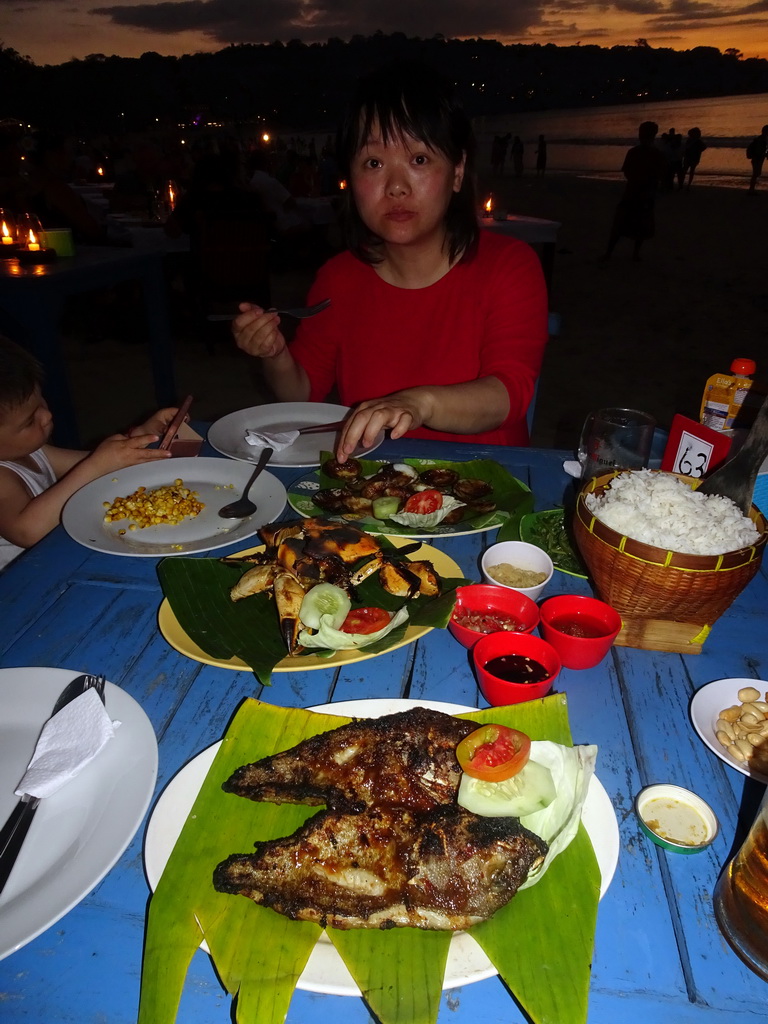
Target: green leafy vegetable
549, 531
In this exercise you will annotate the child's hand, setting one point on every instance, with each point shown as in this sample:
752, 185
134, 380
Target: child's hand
157, 423
120, 451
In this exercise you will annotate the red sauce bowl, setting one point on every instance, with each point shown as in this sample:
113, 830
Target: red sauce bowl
483, 599
499, 691
581, 629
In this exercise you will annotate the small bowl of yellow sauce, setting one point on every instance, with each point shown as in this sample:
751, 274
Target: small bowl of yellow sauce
675, 818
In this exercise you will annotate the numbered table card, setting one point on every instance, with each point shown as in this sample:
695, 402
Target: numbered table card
693, 449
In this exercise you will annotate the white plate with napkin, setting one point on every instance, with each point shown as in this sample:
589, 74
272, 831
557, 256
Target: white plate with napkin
230, 434
83, 827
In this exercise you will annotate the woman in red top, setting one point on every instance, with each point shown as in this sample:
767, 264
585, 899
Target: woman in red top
435, 329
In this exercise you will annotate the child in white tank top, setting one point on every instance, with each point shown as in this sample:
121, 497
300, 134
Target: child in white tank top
37, 478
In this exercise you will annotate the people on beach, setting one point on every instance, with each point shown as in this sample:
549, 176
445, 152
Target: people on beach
644, 167
694, 147
436, 329
756, 152
671, 146
518, 150
37, 478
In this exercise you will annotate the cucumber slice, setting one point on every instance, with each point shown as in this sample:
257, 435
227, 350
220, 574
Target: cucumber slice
383, 508
324, 599
532, 789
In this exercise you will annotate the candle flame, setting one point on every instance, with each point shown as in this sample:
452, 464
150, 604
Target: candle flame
5, 232
33, 245
265, 137
342, 184
100, 171
489, 204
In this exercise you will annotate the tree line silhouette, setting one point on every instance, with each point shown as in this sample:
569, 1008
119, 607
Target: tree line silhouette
304, 86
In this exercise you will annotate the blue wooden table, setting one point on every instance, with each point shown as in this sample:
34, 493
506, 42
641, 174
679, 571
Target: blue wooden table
658, 953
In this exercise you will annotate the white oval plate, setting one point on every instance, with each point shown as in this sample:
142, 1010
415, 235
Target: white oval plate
79, 833
706, 705
217, 483
325, 971
227, 435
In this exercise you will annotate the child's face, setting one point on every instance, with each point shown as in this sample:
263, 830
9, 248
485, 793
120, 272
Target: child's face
25, 428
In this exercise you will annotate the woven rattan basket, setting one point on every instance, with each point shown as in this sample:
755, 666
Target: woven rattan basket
667, 600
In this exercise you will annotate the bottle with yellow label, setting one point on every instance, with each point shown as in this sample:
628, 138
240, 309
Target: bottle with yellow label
729, 399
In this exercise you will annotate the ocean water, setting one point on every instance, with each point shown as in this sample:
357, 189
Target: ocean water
594, 140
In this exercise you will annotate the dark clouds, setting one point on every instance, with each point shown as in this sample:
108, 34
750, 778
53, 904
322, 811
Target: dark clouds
246, 21
223, 22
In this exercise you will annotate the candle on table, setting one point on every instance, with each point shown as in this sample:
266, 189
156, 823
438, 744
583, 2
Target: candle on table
6, 235
488, 208
33, 245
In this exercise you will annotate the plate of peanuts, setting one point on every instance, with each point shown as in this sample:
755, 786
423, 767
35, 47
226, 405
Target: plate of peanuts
731, 716
170, 507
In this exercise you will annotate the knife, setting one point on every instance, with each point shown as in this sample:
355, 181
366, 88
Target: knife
14, 831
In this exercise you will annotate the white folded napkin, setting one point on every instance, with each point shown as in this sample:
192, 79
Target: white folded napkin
275, 441
572, 468
69, 741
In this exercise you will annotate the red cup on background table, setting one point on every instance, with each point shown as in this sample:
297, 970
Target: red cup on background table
481, 609
511, 654
581, 629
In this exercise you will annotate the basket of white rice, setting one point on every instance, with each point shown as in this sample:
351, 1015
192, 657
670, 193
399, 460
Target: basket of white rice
668, 559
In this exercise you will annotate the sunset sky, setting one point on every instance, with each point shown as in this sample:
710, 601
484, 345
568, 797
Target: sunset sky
54, 31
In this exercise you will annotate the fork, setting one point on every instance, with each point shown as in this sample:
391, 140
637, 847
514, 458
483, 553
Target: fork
14, 831
298, 313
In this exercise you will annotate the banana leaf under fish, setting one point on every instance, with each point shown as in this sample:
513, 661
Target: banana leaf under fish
540, 942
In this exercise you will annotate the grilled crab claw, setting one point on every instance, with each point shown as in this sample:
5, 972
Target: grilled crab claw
395, 577
430, 584
289, 594
255, 581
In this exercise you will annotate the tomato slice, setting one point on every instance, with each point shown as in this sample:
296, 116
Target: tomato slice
493, 753
365, 620
424, 502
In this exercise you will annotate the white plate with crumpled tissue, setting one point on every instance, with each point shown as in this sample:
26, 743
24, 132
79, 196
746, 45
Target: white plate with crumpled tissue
228, 434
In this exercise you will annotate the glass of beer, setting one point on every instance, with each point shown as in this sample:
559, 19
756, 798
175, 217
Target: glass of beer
741, 897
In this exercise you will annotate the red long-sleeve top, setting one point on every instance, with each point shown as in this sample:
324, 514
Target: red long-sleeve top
486, 317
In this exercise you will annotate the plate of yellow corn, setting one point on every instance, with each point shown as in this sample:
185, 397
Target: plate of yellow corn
169, 507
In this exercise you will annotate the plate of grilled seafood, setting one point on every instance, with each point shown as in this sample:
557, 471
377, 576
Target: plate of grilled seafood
253, 609
169, 507
384, 736
417, 498
228, 434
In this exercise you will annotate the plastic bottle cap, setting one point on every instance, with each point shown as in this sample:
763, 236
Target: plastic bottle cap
743, 367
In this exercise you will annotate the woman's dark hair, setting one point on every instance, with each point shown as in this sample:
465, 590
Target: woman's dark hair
409, 99
20, 374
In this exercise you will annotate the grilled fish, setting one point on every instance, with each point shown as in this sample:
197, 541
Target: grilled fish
403, 760
387, 867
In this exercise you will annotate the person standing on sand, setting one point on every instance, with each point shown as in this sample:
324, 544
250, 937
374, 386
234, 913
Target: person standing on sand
644, 167
541, 157
756, 151
517, 156
694, 147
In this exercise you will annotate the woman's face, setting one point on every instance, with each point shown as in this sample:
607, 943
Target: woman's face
402, 189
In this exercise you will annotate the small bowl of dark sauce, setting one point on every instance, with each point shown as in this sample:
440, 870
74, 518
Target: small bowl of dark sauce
514, 667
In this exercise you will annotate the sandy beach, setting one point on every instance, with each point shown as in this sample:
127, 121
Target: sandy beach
644, 335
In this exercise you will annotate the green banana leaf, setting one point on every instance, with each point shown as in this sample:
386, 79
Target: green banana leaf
197, 590
508, 492
540, 943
